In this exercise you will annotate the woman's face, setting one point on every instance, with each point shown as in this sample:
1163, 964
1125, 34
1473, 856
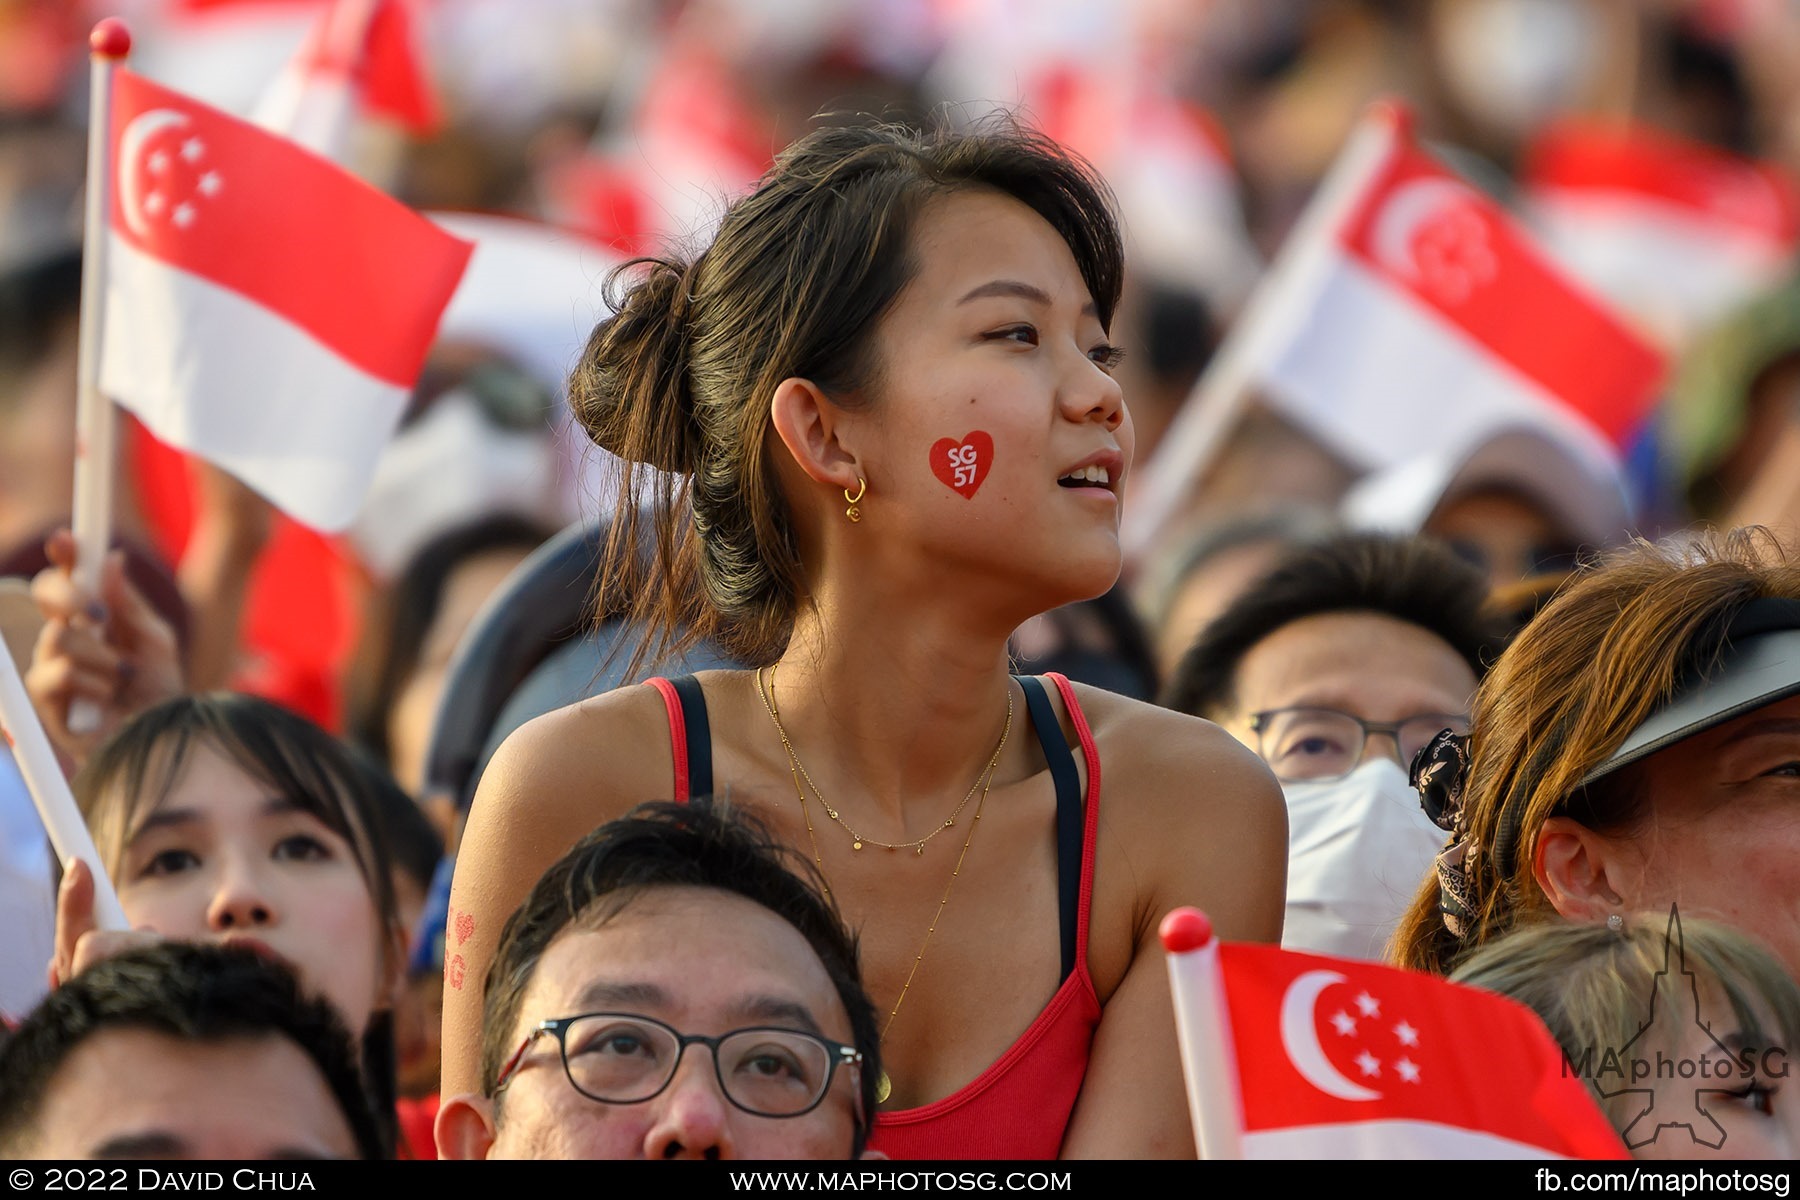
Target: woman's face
999, 440
224, 858
1724, 1092
1722, 833
414, 710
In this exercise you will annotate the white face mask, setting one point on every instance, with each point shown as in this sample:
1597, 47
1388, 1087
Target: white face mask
1514, 63
450, 467
1358, 849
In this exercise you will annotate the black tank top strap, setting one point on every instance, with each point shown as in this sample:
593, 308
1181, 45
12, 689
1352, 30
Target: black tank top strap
699, 736
1067, 779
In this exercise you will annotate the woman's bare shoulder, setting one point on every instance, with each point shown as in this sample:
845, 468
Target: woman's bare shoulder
1194, 813
580, 764
1171, 756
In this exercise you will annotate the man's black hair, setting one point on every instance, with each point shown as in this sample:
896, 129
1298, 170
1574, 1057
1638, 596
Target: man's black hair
700, 844
1411, 579
197, 992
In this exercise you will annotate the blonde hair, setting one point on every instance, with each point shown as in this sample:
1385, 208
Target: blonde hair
1579, 678
1595, 988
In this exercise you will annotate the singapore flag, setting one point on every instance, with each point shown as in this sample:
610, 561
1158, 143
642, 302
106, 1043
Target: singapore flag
1292, 1055
1427, 311
264, 309
1672, 230
1408, 314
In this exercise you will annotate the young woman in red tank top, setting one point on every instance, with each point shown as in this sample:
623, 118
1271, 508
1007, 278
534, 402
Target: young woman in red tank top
888, 381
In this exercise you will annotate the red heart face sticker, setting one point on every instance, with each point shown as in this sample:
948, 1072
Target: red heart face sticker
465, 925
963, 465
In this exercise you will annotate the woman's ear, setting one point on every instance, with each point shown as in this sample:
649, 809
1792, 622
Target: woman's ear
815, 433
1586, 875
464, 1128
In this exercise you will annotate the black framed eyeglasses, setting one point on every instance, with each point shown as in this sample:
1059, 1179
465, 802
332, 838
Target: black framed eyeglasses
626, 1058
1318, 745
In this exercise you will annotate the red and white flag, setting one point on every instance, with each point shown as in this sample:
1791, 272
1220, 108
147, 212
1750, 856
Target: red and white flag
264, 309
1292, 1055
1428, 309
1672, 231
691, 145
1407, 313
361, 56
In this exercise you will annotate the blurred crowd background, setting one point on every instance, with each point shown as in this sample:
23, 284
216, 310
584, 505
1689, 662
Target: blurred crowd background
623, 124
616, 127
565, 135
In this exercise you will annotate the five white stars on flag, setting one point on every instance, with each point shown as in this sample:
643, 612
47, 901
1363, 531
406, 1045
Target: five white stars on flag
1370, 1066
209, 185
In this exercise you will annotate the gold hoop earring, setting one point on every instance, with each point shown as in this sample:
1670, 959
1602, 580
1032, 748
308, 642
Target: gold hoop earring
853, 512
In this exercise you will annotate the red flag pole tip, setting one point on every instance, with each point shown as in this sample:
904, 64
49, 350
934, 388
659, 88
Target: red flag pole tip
1396, 112
110, 39
1185, 929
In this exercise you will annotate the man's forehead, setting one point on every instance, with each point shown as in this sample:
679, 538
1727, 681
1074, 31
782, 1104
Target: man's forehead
1354, 661
194, 1096
672, 951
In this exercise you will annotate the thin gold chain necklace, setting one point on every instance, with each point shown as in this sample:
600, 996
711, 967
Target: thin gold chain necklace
857, 840
884, 1086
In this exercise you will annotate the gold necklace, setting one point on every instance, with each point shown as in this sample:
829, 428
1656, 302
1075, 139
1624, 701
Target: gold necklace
856, 839
884, 1087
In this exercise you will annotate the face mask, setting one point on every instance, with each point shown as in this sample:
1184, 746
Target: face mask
1512, 63
1358, 849
451, 466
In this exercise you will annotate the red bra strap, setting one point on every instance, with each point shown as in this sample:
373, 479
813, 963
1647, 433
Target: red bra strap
677, 735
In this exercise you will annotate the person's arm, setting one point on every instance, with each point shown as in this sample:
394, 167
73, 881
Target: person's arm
551, 781
230, 530
1194, 818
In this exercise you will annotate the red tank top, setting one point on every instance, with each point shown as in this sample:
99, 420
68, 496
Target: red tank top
1019, 1107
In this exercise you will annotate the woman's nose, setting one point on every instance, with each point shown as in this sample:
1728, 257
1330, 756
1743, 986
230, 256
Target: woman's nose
1092, 394
240, 901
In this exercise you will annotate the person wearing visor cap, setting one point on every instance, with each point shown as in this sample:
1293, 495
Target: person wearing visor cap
1637, 746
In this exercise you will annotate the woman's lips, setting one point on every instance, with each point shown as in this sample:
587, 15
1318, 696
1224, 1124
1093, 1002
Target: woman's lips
259, 947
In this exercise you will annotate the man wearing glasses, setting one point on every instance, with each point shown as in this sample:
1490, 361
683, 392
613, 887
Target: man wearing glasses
671, 988
1337, 667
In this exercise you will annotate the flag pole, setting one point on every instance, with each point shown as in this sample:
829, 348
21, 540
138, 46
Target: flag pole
50, 791
96, 423
1213, 408
1203, 1031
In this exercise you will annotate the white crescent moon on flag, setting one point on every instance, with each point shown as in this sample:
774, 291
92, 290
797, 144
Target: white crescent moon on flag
1300, 1037
1411, 206
131, 183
